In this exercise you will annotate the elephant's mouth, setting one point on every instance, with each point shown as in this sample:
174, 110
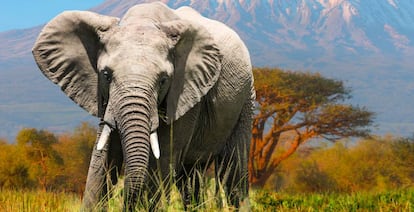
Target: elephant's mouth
106, 132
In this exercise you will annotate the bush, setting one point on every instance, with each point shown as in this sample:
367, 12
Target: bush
14, 173
376, 164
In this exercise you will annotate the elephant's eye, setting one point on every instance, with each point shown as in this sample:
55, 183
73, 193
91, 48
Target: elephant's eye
163, 80
107, 75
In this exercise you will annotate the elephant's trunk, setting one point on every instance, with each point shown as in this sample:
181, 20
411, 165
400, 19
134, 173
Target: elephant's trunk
135, 109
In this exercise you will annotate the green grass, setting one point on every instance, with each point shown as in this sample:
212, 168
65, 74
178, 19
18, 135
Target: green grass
37, 200
260, 200
401, 200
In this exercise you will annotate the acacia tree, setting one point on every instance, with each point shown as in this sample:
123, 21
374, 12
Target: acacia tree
307, 106
43, 160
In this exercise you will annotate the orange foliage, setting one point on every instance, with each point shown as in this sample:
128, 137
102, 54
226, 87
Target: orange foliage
303, 104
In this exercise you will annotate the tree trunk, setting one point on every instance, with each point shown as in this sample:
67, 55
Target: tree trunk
261, 163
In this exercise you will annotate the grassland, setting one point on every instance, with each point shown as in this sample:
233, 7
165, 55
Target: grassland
38, 200
399, 200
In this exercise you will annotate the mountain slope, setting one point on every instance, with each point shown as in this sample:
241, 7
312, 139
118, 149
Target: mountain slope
367, 43
291, 30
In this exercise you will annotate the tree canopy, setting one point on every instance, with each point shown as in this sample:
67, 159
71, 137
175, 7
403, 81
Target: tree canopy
42, 159
305, 105
37, 149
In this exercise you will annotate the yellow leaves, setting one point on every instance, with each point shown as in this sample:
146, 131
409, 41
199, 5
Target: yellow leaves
366, 165
40, 159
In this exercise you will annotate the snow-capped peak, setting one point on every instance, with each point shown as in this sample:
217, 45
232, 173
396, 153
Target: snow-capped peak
392, 2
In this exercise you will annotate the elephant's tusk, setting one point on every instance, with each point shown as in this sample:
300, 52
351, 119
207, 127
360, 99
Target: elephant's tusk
154, 145
103, 139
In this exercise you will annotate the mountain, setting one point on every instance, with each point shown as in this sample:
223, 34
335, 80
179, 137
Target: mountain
367, 43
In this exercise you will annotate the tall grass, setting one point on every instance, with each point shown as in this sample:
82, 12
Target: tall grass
209, 199
399, 200
38, 200
260, 200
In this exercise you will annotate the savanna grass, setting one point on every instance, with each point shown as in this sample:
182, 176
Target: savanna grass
260, 200
37, 200
171, 200
400, 200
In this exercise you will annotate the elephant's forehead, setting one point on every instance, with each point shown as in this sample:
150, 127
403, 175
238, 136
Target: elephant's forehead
134, 45
139, 35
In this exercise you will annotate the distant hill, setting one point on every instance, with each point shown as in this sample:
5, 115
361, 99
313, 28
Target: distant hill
369, 44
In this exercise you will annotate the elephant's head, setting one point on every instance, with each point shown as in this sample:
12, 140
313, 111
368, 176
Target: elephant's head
129, 71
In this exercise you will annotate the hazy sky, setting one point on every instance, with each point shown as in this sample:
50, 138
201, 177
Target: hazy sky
17, 14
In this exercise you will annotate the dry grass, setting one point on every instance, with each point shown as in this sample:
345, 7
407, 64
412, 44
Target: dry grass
400, 200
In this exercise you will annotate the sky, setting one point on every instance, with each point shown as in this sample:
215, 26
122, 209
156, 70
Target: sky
20, 14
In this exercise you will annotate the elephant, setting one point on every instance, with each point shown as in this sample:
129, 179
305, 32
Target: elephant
173, 91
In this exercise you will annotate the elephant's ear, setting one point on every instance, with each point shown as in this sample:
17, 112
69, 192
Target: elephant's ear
197, 64
66, 52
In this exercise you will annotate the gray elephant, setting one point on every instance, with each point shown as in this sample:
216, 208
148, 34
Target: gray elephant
165, 81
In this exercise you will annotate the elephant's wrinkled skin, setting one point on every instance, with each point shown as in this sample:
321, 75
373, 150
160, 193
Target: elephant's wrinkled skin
155, 71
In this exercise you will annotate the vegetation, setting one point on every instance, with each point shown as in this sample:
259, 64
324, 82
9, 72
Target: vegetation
371, 165
42, 160
303, 106
38, 200
399, 200
260, 200
371, 174
43, 171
